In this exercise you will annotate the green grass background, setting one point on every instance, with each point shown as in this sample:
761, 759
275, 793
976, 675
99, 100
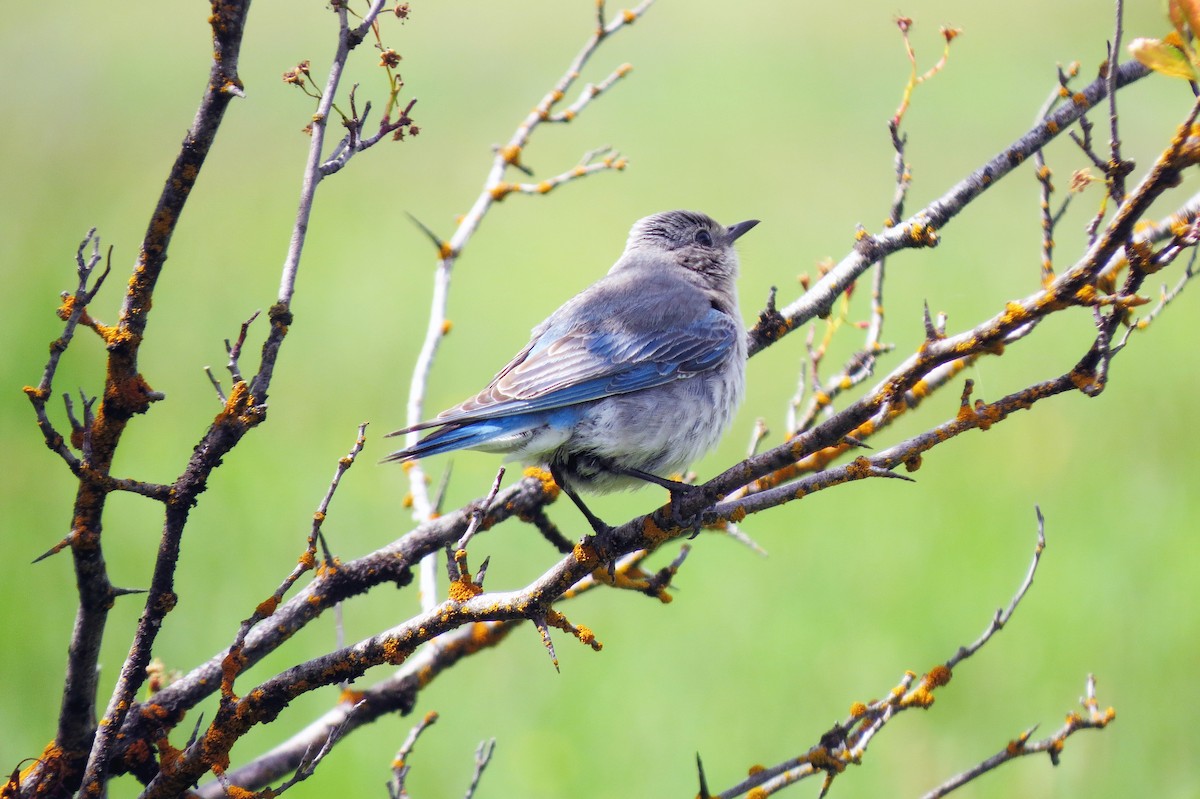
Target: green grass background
762, 109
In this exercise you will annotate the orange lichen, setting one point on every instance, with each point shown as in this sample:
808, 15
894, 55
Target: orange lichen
1086, 295
166, 602
350, 697
653, 533
154, 712
231, 666
549, 487
823, 759
1087, 382
1014, 314
393, 653
585, 553
48, 759
938, 676
859, 468
463, 589
267, 607
755, 769
168, 755
987, 415
923, 235
920, 696
481, 633
586, 636
511, 153
858, 710
138, 753
628, 16
501, 190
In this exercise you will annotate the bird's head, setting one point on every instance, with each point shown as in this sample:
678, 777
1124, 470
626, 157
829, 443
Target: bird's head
695, 241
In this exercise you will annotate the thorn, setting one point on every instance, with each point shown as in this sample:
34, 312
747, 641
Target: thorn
54, 550
540, 623
704, 794
736, 533
196, 730
442, 247
116, 592
876, 471
854, 442
931, 333
443, 484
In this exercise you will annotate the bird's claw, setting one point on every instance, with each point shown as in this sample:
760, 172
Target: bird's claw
683, 496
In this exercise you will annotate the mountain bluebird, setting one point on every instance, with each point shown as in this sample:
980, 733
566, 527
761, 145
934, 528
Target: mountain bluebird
630, 380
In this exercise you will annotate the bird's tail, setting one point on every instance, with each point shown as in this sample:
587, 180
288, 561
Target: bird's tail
463, 435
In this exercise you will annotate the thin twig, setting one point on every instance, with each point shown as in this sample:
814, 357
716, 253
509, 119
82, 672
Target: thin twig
1021, 746
400, 767
846, 743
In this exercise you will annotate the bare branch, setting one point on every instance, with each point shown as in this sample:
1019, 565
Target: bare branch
846, 743
1021, 746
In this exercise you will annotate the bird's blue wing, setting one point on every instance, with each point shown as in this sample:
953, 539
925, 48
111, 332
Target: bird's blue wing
570, 364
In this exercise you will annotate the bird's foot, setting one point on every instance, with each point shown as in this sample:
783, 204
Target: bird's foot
685, 494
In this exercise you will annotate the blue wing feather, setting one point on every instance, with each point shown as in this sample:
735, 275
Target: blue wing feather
566, 366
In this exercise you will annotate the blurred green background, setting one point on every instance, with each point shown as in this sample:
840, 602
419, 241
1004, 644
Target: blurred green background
773, 110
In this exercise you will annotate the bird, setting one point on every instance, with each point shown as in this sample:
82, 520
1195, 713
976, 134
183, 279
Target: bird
629, 381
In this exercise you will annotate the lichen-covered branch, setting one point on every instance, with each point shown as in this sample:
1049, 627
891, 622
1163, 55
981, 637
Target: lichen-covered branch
76, 746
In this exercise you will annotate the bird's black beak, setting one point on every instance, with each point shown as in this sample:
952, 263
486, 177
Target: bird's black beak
735, 231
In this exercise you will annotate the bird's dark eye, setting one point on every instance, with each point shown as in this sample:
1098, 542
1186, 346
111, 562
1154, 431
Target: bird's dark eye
703, 238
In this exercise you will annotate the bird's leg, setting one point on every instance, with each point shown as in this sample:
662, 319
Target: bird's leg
602, 529
599, 526
680, 493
